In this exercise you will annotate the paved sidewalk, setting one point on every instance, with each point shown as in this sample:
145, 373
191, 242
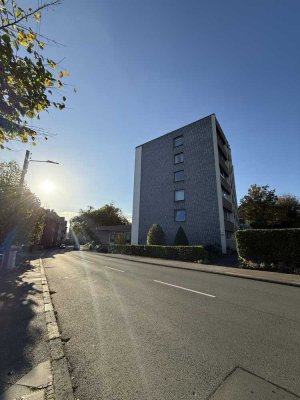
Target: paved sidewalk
266, 276
25, 368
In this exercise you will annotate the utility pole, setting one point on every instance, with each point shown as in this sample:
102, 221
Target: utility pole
25, 167
26, 163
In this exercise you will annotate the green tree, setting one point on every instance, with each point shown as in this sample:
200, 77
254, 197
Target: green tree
258, 206
287, 212
21, 216
28, 80
88, 220
156, 235
181, 238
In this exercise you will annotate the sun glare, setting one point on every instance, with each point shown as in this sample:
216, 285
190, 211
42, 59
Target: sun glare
47, 186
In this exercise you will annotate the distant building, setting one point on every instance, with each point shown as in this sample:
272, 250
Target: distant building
185, 178
108, 234
55, 230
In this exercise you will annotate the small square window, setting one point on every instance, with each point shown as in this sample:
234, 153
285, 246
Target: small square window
179, 195
180, 215
178, 141
179, 176
178, 158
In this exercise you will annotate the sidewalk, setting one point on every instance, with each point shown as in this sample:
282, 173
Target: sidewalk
33, 365
265, 276
25, 368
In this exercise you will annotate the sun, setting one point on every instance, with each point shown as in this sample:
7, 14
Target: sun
47, 186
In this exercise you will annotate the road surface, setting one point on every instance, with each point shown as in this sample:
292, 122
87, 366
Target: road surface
136, 331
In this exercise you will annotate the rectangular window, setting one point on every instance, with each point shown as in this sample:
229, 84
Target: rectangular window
179, 215
179, 195
179, 176
178, 141
178, 158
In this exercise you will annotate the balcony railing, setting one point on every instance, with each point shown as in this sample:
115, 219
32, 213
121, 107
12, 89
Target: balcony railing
227, 204
229, 226
223, 165
225, 184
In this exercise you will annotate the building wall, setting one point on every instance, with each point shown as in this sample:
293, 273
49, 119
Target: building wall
157, 205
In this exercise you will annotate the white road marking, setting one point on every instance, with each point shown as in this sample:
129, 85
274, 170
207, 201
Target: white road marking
189, 290
83, 259
113, 268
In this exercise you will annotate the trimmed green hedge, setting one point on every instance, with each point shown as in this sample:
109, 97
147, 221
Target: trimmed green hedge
182, 253
277, 249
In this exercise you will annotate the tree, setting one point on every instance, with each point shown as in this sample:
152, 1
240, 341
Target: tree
88, 220
181, 238
28, 80
287, 212
156, 235
258, 206
21, 216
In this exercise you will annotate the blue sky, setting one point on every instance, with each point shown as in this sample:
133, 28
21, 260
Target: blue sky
144, 68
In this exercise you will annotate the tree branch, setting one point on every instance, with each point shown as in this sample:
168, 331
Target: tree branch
26, 15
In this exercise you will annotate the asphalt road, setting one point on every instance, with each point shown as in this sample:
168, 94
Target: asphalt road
138, 331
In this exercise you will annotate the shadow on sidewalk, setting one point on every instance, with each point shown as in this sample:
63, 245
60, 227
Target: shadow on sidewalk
18, 332
227, 260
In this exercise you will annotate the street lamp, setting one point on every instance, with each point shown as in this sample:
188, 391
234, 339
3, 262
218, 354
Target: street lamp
26, 163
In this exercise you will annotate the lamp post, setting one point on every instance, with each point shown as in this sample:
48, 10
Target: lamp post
27, 160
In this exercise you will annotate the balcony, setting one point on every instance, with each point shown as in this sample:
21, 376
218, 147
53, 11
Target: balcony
222, 148
225, 184
223, 165
229, 226
227, 204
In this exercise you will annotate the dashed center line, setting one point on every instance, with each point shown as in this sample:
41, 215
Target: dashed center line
113, 268
183, 288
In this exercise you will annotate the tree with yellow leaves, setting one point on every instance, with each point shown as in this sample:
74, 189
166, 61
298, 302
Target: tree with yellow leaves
27, 78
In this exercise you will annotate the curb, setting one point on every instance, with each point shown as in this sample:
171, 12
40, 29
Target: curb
62, 381
234, 274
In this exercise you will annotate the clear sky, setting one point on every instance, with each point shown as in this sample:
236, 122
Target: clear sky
144, 68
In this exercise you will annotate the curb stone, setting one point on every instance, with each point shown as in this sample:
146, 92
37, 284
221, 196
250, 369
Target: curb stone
62, 380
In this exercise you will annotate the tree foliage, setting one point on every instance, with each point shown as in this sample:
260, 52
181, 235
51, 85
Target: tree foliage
88, 220
156, 235
257, 207
262, 208
287, 212
181, 238
21, 216
28, 80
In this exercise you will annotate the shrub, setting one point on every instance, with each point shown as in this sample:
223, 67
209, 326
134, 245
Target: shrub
181, 238
277, 249
182, 253
156, 235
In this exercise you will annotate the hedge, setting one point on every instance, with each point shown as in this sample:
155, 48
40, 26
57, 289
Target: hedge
276, 249
182, 253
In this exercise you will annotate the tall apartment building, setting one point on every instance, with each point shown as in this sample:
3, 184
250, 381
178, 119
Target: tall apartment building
185, 178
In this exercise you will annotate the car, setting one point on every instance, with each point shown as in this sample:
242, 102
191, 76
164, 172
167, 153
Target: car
76, 247
62, 246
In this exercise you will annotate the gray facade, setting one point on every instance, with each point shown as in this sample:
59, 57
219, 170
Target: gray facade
209, 204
